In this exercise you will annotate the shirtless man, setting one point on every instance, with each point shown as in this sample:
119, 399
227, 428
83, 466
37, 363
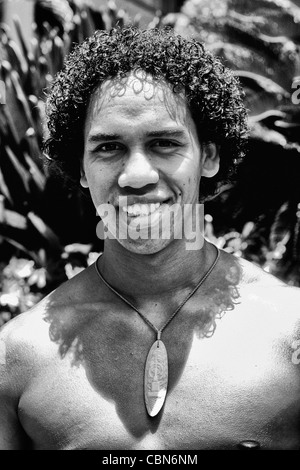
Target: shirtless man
145, 121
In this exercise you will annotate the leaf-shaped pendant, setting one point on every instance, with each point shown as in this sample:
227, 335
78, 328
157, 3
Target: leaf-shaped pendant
156, 378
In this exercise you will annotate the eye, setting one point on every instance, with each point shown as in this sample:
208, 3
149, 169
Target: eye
109, 147
165, 144
108, 150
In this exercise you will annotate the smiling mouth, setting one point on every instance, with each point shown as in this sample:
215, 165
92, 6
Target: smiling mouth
144, 209
141, 210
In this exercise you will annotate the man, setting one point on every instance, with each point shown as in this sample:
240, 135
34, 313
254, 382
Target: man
164, 342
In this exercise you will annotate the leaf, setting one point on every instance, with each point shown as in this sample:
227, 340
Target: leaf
10, 129
14, 219
261, 83
18, 187
16, 112
19, 93
37, 112
26, 53
45, 231
261, 132
244, 40
34, 149
57, 53
16, 58
266, 116
281, 227
96, 16
58, 14
279, 15
38, 177
4, 189
22, 172
247, 229
88, 26
78, 248
21, 247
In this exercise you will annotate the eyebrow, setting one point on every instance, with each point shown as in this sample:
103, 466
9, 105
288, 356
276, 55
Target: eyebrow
100, 137
94, 138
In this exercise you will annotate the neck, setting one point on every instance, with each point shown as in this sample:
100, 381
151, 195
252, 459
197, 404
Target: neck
142, 276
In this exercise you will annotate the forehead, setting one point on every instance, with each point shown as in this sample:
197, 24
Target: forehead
136, 94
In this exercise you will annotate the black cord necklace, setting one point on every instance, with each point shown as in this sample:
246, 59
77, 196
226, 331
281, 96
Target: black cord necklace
156, 368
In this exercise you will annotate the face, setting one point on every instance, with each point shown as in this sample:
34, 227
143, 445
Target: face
142, 157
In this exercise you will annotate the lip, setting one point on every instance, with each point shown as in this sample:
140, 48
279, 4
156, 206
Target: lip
143, 222
133, 223
134, 207
125, 201
142, 210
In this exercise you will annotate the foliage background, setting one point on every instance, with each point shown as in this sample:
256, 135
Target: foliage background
47, 229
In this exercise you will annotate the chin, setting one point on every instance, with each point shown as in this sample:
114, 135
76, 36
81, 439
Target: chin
144, 247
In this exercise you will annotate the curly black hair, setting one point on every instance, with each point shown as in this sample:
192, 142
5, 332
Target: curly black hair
213, 94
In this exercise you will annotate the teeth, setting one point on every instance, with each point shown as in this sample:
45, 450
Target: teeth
141, 209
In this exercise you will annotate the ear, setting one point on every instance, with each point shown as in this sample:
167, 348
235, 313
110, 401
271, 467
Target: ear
210, 160
83, 180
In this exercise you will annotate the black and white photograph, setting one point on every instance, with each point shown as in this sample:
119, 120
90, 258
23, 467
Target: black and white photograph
150, 227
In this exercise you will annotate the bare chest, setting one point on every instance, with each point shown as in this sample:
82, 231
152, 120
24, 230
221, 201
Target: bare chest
217, 397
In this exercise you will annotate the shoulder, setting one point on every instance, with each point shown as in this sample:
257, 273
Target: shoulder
260, 285
30, 339
23, 341
264, 305
261, 325
253, 281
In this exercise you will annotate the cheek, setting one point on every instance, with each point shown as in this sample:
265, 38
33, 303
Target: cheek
96, 173
187, 174
99, 183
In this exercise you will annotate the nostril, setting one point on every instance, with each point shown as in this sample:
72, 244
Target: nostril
138, 178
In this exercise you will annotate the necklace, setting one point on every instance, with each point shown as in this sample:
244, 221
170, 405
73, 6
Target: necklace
156, 368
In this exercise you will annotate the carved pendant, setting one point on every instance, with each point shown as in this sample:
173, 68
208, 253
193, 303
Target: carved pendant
156, 378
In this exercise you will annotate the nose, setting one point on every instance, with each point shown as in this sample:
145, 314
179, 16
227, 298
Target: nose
138, 172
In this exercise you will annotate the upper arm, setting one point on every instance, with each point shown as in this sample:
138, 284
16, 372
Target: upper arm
12, 435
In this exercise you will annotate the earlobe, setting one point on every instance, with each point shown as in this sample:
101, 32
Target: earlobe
83, 180
210, 160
